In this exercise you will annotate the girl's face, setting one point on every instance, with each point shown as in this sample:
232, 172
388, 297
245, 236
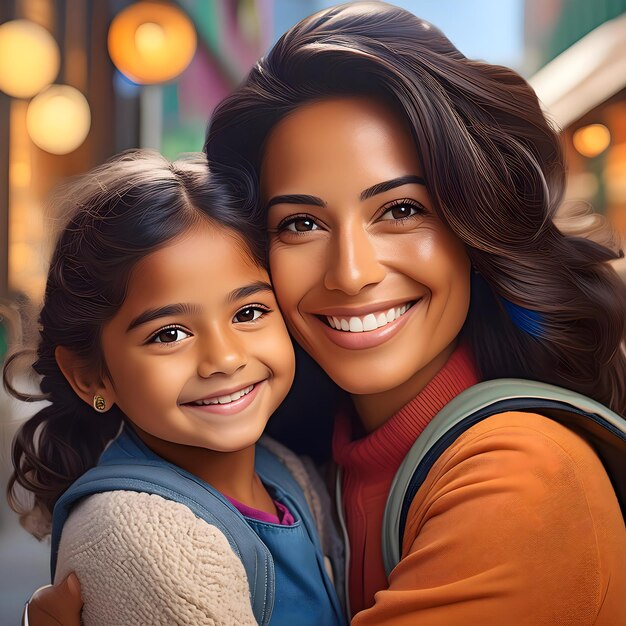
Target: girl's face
371, 282
198, 354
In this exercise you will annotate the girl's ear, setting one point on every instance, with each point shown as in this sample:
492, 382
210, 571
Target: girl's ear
87, 384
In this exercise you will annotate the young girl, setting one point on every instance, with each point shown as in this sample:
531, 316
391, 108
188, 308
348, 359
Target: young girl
159, 325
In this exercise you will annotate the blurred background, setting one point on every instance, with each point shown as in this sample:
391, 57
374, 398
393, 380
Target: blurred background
83, 79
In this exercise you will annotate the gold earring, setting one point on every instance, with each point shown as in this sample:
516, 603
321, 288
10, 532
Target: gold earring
99, 403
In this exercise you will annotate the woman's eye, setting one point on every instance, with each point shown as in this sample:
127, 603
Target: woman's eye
401, 211
299, 224
249, 314
169, 335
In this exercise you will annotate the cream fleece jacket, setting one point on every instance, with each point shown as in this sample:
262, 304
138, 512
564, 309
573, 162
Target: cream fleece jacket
144, 560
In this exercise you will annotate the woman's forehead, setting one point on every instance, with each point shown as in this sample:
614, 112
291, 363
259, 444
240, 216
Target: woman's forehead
339, 138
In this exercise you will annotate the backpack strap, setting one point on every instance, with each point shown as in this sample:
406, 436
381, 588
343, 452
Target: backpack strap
600, 426
128, 465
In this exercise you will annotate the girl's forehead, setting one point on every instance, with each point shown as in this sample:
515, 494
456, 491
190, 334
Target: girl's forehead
205, 255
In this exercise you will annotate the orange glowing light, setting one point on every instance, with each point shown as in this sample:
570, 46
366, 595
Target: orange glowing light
151, 42
592, 140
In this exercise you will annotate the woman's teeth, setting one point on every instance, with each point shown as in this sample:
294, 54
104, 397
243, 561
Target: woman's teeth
371, 321
225, 399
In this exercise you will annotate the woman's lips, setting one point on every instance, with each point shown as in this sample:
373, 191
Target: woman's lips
367, 331
228, 404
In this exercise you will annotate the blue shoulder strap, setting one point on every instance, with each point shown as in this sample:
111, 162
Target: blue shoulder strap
601, 427
128, 465
273, 473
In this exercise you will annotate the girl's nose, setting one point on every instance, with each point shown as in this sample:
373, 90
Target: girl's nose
354, 262
221, 353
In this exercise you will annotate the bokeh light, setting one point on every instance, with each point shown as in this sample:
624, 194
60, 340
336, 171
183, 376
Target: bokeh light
151, 42
29, 58
592, 140
58, 119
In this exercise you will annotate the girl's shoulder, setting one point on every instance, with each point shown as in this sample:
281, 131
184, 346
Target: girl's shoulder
142, 559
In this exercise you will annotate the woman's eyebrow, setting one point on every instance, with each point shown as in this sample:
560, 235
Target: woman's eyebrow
392, 184
168, 310
295, 199
249, 290
367, 193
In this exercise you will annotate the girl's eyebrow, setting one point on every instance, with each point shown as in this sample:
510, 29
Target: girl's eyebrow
182, 308
365, 194
185, 308
249, 290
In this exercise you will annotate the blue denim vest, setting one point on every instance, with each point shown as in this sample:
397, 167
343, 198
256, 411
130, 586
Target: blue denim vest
284, 564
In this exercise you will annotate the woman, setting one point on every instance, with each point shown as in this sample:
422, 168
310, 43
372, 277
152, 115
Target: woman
409, 194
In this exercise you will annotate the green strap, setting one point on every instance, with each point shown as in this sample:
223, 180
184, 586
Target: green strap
467, 403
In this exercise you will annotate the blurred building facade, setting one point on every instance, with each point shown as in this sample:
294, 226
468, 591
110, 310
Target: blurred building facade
576, 53
170, 116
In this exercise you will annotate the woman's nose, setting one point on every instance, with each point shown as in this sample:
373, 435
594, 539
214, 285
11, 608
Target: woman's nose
221, 353
354, 261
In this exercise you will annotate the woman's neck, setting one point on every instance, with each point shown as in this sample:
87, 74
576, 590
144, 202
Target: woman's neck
231, 473
376, 409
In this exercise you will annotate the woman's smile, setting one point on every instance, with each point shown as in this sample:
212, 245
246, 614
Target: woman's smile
359, 332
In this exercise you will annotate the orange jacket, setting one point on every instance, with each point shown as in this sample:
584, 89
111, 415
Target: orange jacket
516, 524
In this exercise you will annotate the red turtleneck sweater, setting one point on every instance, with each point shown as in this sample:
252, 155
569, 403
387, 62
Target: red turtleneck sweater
516, 523
369, 465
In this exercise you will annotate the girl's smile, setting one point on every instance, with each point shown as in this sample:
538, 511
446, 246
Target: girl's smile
226, 403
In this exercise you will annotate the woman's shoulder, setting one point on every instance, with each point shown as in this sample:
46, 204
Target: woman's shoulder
524, 502
156, 557
542, 441
515, 445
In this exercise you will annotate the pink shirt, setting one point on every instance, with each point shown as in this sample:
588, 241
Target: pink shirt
284, 517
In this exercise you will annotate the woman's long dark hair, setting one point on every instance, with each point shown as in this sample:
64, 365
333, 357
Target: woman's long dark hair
119, 213
544, 305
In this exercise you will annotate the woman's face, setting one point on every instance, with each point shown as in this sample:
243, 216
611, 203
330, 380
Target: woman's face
372, 284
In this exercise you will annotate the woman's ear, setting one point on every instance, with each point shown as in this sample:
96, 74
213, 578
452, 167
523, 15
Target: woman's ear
86, 383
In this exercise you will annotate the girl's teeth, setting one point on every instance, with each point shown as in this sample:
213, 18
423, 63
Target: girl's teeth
368, 322
227, 398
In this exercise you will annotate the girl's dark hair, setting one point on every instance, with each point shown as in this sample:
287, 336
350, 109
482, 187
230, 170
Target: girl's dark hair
545, 305
119, 213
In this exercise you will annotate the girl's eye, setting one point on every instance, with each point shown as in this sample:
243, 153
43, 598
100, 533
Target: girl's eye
298, 224
402, 210
169, 335
249, 314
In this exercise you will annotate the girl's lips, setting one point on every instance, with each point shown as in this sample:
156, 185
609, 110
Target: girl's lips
371, 338
229, 408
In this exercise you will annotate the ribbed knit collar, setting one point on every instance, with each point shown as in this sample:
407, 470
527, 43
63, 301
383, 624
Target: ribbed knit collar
385, 448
